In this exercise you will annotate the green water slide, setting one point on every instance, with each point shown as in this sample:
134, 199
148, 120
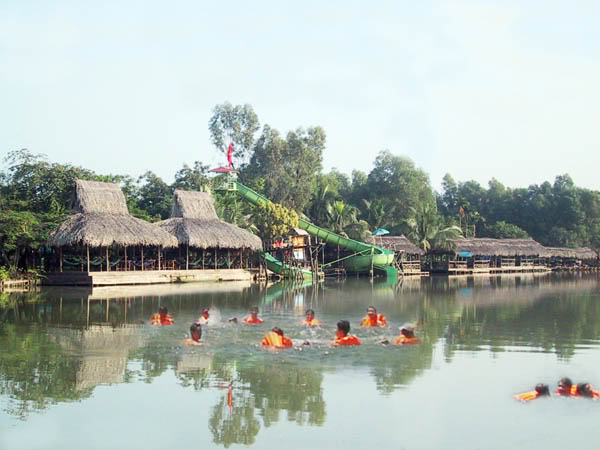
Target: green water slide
365, 255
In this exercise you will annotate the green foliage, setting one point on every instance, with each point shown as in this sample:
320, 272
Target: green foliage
3, 273
155, 196
274, 221
427, 231
503, 230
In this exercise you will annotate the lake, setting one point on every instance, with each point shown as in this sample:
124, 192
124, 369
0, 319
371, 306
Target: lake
85, 369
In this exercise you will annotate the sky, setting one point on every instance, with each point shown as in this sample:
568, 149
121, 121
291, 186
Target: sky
478, 89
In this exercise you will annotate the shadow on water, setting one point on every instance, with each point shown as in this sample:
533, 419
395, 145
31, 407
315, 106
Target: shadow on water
58, 345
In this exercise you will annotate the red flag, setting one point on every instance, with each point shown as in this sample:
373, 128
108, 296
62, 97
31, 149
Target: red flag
461, 211
230, 153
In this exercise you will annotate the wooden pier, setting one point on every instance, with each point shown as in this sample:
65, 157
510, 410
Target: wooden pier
144, 277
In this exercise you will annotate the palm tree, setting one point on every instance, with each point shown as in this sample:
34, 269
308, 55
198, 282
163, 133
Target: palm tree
427, 231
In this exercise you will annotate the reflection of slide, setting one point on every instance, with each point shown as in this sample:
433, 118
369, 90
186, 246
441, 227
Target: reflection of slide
365, 256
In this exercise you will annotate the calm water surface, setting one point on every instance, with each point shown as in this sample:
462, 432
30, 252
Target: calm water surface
84, 369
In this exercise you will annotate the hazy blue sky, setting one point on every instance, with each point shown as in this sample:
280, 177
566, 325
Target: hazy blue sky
479, 89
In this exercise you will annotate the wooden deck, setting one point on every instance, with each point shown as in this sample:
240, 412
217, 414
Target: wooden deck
144, 277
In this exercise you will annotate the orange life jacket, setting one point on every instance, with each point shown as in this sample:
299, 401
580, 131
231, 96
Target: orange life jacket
347, 340
572, 391
156, 319
403, 340
249, 320
273, 339
311, 323
527, 396
379, 321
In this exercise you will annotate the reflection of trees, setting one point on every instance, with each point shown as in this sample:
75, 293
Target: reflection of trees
239, 426
35, 372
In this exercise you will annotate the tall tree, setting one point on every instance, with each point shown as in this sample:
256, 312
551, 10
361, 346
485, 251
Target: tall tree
238, 124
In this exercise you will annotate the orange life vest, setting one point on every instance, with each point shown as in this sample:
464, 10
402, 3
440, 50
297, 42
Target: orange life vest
403, 340
311, 323
379, 321
273, 339
572, 392
527, 396
156, 319
347, 340
249, 320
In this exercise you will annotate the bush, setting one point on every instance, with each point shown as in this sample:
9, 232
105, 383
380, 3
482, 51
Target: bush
3, 274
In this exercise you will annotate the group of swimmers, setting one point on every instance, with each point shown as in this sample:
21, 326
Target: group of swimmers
276, 338
565, 388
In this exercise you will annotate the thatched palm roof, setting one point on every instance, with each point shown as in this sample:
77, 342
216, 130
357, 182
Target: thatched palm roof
578, 253
399, 244
500, 247
194, 222
102, 220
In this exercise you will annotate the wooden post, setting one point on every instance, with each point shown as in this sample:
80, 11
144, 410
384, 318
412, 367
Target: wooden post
142, 252
187, 256
202, 259
81, 255
241, 258
228, 259
159, 257
60, 257
216, 257
107, 260
126, 268
88, 257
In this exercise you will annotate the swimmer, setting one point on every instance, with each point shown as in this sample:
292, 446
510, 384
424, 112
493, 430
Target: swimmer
309, 320
586, 390
195, 335
372, 319
203, 320
162, 317
341, 335
541, 390
566, 387
276, 339
253, 318
407, 336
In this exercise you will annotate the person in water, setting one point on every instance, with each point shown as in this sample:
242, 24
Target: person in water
341, 334
253, 318
372, 319
162, 317
541, 390
203, 320
407, 336
309, 319
276, 339
195, 335
586, 390
566, 387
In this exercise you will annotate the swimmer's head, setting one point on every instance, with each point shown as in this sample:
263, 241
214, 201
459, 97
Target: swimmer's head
371, 311
163, 311
564, 386
196, 332
277, 330
542, 389
585, 390
310, 314
343, 328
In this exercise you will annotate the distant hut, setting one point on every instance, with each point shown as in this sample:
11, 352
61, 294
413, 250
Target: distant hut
195, 225
487, 253
571, 258
408, 255
102, 221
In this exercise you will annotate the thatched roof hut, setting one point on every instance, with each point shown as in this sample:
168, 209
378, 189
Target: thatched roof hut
194, 222
500, 247
583, 253
399, 244
101, 219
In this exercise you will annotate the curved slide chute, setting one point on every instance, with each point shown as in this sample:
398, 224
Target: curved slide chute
366, 256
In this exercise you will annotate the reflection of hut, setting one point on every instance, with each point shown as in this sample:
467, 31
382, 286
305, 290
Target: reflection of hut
103, 351
214, 243
408, 255
561, 258
489, 255
101, 220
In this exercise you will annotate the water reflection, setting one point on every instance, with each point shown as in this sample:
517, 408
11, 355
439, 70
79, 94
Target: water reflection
58, 345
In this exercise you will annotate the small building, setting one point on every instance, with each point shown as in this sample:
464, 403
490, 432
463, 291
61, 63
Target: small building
407, 255
562, 258
205, 241
487, 255
101, 235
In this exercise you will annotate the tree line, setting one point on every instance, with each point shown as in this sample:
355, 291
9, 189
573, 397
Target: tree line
35, 194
